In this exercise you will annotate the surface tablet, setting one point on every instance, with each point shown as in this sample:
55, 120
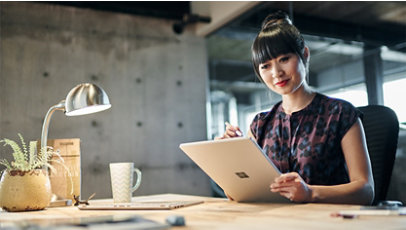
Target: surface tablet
238, 166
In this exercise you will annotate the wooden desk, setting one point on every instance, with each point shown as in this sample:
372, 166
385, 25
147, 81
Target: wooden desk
218, 213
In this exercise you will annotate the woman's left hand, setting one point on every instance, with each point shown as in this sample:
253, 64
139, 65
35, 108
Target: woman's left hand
293, 187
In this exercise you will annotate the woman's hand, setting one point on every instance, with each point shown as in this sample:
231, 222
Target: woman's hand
293, 187
231, 131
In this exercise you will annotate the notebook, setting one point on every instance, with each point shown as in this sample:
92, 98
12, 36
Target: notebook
238, 166
143, 205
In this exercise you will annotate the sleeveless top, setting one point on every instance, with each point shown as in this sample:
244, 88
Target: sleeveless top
308, 141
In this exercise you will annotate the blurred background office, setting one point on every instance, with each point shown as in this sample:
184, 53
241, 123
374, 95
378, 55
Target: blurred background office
176, 71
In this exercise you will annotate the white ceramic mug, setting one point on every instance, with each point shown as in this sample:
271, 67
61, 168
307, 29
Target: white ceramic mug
122, 175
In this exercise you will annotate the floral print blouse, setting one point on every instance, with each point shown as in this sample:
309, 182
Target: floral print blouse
308, 141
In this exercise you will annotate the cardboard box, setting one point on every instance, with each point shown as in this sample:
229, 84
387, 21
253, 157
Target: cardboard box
66, 180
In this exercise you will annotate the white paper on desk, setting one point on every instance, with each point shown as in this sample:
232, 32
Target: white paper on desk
374, 212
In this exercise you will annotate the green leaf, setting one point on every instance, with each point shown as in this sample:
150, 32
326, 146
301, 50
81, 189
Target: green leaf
25, 153
13, 145
33, 150
5, 163
26, 160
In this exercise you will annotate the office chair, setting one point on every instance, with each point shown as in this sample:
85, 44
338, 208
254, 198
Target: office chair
382, 130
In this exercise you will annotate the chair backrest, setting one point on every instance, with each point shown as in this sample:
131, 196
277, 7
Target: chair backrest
382, 130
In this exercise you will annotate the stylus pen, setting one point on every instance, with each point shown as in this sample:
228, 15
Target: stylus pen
238, 132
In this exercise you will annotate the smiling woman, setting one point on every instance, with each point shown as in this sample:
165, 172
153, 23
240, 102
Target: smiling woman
317, 142
278, 72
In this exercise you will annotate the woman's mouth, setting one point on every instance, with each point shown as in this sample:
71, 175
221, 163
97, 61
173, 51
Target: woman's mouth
282, 83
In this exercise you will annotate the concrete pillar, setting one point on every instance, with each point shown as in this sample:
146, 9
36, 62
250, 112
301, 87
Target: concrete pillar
373, 74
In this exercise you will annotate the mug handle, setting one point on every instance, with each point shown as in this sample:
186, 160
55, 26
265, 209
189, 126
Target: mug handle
138, 181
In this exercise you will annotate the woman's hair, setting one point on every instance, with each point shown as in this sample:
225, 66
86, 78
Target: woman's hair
277, 36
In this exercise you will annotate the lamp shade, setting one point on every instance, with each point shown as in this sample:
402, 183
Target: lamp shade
86, 98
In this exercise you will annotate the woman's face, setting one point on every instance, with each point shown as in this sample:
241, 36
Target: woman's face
283, 74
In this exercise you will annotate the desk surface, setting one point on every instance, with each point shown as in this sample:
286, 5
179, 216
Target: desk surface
216, 213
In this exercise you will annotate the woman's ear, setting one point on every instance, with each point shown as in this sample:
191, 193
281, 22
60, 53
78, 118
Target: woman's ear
306, 53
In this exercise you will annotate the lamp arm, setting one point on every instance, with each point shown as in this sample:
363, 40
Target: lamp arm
45, 125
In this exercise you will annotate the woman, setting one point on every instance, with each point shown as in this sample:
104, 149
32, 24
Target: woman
317, 142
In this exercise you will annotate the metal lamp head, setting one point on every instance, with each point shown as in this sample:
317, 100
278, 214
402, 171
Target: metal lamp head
86, 98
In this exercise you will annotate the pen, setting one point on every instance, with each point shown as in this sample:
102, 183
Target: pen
238, 132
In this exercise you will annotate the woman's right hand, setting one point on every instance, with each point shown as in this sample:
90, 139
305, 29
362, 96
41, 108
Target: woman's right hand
231, 131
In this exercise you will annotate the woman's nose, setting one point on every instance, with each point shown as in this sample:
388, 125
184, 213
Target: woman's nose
276, 71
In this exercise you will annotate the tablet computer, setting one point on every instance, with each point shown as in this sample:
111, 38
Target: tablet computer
238, 166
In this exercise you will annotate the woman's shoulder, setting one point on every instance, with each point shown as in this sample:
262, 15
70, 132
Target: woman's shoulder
263, 119
265, 115
336, 106
334, 102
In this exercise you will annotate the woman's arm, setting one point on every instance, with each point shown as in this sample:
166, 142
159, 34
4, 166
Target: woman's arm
360, 189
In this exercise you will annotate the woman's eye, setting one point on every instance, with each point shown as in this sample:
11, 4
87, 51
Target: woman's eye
264, 66
284, 59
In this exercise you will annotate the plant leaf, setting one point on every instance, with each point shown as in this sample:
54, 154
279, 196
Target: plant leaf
5, 163
33, 150
24, 149
13, 145
26, 160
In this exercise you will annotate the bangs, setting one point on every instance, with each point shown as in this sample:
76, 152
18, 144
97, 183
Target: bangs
268, 46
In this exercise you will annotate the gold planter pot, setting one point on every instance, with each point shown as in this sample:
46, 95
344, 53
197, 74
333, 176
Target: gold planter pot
25, 190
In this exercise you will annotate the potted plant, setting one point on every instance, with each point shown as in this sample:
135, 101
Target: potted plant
25, 184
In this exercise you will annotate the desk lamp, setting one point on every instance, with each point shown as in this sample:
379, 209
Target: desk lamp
83, 99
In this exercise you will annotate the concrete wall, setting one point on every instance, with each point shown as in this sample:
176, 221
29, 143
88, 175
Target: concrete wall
156, 82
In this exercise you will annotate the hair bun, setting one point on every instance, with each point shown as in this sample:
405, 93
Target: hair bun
278, 17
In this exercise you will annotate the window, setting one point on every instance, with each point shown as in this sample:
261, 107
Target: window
394, 97
356, 95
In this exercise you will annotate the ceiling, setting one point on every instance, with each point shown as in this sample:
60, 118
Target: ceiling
376, 23
160, 9
336, 32
373, 22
